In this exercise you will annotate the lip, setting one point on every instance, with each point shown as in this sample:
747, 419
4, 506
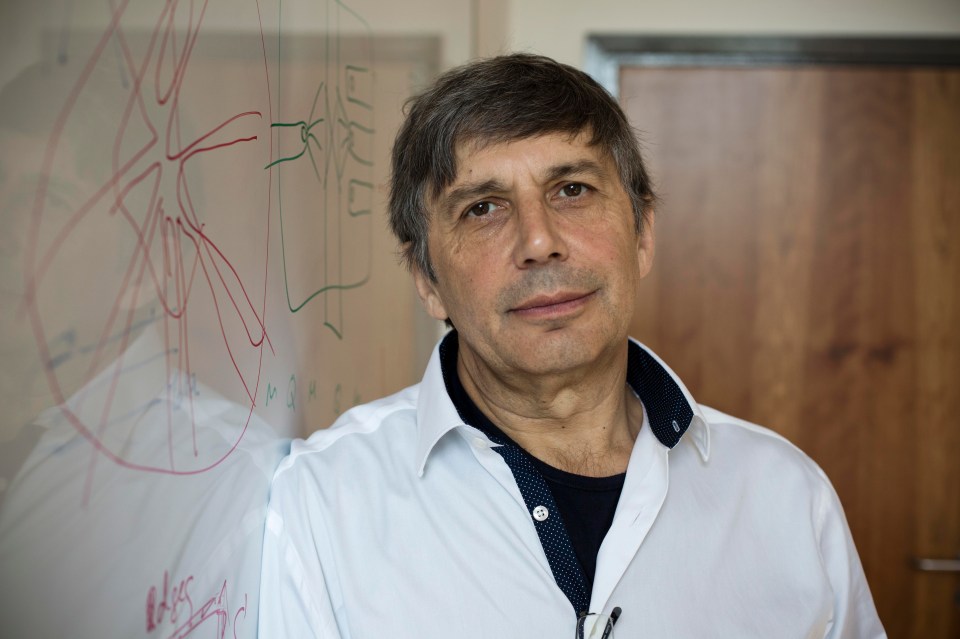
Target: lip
562, 303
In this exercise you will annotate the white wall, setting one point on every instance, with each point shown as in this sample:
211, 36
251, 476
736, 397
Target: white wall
558, 28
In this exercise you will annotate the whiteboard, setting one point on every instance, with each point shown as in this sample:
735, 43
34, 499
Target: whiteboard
196, 268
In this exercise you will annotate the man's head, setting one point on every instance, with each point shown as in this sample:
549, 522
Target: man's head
523, 206
501, 100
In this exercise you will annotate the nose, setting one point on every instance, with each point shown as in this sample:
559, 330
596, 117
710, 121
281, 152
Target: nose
539, 238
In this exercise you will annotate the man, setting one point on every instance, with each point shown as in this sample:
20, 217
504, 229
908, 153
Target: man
548, 477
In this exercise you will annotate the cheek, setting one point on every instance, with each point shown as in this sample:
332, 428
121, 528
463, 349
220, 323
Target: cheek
612, 248
468, 268
471, 291
618, 263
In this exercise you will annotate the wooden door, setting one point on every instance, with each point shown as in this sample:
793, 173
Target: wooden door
807, 278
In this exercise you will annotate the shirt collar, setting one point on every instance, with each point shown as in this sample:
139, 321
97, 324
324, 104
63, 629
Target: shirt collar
671, 409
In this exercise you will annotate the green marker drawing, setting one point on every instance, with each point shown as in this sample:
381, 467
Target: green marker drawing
333, 141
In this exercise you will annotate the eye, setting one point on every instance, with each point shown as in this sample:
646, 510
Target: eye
574, 189
481, 208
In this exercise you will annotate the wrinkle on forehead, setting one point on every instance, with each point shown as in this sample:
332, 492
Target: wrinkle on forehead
470, 144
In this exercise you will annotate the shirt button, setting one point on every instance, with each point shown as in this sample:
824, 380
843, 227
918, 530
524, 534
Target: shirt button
479, 443
540, 513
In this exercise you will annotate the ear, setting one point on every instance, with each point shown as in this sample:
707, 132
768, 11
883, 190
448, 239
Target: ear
646, 242
429, 295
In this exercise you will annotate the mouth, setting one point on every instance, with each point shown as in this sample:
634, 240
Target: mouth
549, 306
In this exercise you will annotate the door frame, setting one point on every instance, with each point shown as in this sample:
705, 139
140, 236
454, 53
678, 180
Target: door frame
605, 54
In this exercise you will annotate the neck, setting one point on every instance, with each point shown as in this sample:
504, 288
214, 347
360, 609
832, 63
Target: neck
582, 421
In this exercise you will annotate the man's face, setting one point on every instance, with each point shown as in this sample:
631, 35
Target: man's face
536, 255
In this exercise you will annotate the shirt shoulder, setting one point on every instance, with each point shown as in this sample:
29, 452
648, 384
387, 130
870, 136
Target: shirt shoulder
757, 448
366, 431
764, 470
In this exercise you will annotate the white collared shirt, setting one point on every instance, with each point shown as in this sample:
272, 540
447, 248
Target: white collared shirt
402, 521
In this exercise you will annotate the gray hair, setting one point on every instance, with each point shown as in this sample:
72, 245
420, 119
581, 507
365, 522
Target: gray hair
497, 100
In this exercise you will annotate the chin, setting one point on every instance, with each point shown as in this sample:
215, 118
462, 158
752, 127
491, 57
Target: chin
555, 352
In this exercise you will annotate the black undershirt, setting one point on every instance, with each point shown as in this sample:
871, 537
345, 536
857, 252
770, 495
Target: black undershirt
587, 504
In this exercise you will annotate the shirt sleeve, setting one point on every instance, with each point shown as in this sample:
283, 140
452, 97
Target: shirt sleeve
294, 598
855, 616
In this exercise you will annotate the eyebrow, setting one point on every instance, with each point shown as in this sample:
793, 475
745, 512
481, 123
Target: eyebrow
472, 190
588, 167
450, 201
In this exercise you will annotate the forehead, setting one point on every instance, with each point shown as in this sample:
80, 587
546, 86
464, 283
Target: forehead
560, 144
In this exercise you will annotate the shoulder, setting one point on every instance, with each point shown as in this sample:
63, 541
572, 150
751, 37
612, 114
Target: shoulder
732, 433
765, 475
758, 452
366, 434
